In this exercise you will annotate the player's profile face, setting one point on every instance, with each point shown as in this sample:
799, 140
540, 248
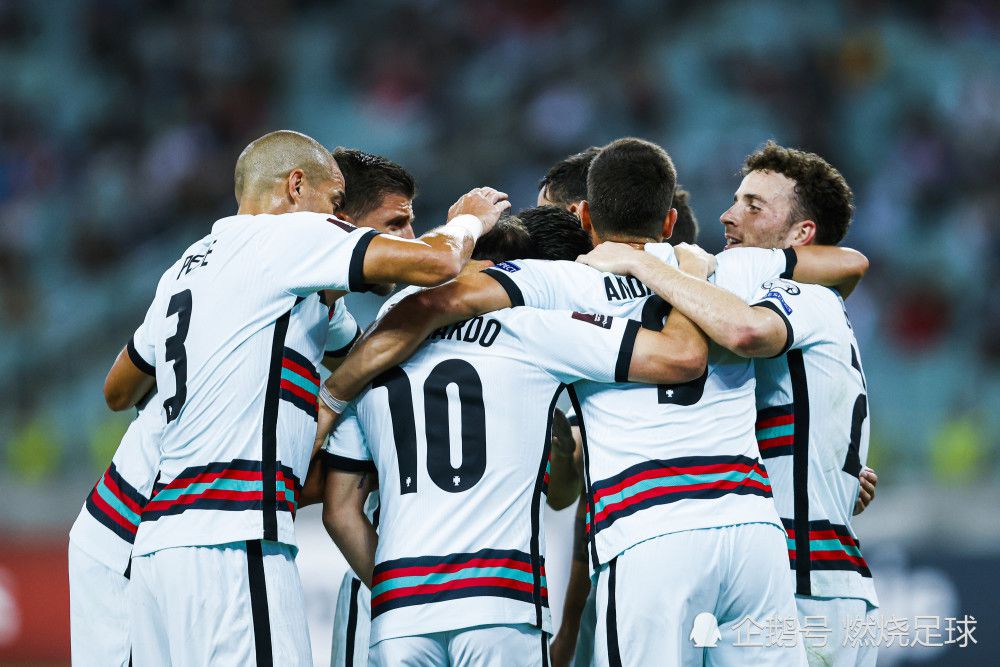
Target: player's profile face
393, 216
759, 216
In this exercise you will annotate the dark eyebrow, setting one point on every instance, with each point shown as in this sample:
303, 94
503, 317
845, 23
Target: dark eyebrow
751, 197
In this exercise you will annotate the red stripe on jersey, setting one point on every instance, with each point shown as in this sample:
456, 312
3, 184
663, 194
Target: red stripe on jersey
670, 471
300, 370
418, 570
780, 420
429, 589
213, 494
206, 477
299, 391
112, 513
116, 490
668, 490
780, 441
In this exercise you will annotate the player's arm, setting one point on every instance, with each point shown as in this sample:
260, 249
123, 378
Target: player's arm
439, 255
564, 644
344, 519
396, 336
564, 472
832, 266
131, 377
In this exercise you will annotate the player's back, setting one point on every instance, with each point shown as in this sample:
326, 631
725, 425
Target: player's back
812, 424
235, 332
661, 458
460, 436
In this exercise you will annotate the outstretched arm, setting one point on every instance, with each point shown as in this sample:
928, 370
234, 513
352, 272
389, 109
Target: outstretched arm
439, 255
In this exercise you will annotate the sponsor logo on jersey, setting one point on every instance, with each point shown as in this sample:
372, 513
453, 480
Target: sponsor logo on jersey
509, 267
777, 297
784, 285
603, 321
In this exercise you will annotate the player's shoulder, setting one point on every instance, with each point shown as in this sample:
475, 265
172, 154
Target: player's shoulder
397, 297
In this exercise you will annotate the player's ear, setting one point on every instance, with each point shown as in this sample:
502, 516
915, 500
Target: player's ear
588, 226
346, 217
802, 232
294, 183
668, 224
574, 208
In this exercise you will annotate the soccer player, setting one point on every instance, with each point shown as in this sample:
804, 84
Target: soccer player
233, 337
677, 494
812, 406
458, 576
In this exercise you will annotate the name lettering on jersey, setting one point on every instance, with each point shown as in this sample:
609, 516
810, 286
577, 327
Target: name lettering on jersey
476, 330
192, 262
603, 321
509, 267
622, 288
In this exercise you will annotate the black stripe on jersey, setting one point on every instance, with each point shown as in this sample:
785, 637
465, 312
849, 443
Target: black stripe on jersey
352, 623
536, 511
614, 651
791, 259
625, 351
355, 271
342, 352
789, 334
545, 649
800, 471
258, 604
574, 399
136, 358
269, 438
679, 462
508, 285
452, 559
453, 594
337, 462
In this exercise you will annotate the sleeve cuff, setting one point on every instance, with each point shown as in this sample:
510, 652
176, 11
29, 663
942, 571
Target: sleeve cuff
509, 286
136, 358
625, 351
791, 259
789, 334
335, 462
342, 352
355, 273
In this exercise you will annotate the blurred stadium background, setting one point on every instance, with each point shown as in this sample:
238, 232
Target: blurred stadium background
120, 123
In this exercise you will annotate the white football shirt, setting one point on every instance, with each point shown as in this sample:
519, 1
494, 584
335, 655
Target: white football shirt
667, 458
812, 429
235, 333
460, 436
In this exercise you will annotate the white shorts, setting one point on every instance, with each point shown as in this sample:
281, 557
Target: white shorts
98, 612
352, 623
834, 648
482, 646
660, 598
231, 604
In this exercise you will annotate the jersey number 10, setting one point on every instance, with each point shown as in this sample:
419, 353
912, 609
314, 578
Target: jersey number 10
473, 419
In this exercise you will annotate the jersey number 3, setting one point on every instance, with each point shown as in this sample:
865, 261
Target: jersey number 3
180, 304
438, 431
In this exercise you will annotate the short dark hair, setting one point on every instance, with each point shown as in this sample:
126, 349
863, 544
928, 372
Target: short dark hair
630, 187
686, 227
555, 233
507, 240
369, 178
822, 195
566, 181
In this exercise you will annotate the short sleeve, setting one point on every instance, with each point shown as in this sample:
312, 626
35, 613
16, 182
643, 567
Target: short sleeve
575, 346
742, 270
309, 252
541, 283
347, 448
141, 346
342, 330
796, 305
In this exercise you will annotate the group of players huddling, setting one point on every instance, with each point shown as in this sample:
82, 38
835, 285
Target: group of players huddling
719, 423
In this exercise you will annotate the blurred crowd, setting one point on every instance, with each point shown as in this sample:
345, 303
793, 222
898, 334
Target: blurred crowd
120, 124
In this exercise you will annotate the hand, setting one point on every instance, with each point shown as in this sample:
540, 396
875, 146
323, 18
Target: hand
325, 419
562, 649
562, 435
484, 203
694, 261
866, 494
610, 257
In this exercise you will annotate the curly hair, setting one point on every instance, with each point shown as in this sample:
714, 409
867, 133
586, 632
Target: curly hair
822, 194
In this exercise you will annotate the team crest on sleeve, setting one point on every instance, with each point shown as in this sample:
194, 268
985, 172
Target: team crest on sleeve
776, 287
603, 321
509, 267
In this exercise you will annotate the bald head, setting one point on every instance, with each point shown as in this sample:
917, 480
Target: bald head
267, 168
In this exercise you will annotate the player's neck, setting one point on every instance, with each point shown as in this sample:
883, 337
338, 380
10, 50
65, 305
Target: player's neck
634, 241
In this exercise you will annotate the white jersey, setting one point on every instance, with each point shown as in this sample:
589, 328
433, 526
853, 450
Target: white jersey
106, 527
812, 429
342, 331
235, 332
460, 436
666, 458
